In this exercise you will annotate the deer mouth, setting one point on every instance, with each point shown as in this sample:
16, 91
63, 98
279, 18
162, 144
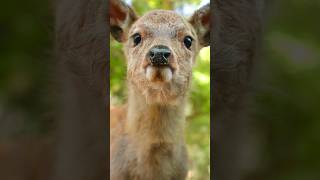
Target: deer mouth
159, 74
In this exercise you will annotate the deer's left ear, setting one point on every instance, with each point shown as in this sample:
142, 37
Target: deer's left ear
200, 20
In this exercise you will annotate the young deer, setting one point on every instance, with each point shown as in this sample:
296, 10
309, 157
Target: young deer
147, 134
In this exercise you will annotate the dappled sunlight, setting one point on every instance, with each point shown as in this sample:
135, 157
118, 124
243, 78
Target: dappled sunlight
204, 54
293, 49
202, 78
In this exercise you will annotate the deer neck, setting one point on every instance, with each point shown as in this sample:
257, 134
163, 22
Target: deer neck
154, 123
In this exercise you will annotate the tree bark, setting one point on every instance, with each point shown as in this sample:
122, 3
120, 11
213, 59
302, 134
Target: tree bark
236, 32
81, 44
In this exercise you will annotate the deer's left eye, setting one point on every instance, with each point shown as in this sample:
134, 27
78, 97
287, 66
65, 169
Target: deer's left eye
136, 39
188, 41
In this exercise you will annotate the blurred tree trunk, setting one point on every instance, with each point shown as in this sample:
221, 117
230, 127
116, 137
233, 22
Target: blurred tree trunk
237, 26
81, 46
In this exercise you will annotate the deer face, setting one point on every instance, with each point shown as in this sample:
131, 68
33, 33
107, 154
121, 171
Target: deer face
160, 48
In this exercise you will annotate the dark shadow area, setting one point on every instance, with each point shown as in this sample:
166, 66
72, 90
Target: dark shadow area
53, 90
266, 90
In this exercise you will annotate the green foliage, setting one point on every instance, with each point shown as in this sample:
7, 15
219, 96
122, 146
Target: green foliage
198, 124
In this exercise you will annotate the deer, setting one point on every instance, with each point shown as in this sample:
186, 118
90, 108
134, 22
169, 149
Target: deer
147, 133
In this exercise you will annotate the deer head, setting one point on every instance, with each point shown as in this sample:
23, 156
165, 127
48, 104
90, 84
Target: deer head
160, 49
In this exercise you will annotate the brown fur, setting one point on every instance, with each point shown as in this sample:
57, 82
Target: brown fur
147, 134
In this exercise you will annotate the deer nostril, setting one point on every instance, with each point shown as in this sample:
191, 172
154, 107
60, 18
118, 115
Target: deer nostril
166, 55
151, 54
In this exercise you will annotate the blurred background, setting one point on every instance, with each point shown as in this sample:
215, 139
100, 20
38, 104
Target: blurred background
198, 108
25, 57
286, 93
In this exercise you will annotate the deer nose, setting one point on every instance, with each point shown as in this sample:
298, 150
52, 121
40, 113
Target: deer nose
159, 55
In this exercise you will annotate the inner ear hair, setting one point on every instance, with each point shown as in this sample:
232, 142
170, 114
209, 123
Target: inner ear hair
122, 17
116, 32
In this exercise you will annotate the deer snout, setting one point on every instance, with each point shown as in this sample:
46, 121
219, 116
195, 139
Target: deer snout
159, 55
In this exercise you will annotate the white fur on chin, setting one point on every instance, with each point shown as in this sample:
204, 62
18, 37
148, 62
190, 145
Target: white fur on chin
165, 73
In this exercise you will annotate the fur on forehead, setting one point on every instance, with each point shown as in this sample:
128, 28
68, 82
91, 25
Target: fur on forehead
163, 20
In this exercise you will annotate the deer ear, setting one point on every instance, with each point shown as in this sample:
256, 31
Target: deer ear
200, 20
121, 18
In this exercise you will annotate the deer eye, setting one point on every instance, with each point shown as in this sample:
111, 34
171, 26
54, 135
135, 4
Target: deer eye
136, 39
188, 41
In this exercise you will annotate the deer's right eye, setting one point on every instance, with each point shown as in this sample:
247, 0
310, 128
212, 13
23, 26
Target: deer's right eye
136, 39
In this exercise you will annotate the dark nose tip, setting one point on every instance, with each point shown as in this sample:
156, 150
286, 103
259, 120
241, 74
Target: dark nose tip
159, 55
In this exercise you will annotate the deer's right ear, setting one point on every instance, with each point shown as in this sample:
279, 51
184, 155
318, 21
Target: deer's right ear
121, 18
201, 22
